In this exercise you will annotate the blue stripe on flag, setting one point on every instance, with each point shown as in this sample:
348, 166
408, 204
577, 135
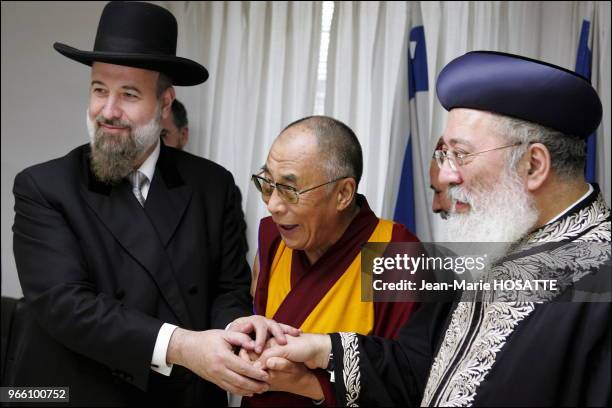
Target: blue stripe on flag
404, 209
583, 67
417, 64
417, 81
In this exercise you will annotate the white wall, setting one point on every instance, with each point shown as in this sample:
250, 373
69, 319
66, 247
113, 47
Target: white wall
44, 96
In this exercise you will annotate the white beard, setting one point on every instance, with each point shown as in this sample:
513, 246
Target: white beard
502, 215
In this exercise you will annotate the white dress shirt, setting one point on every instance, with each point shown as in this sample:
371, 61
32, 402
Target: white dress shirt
158, 360
148, 169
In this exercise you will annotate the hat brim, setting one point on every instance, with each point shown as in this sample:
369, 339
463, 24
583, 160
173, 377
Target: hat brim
182, 71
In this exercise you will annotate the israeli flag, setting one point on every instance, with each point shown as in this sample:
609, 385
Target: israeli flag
583, 67
411, 208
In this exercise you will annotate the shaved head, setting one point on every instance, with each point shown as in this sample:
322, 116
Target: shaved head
337, 144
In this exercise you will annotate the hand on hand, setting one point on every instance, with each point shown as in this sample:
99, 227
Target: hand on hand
311, 349
286, 375
210, 355
263, 328
293, 377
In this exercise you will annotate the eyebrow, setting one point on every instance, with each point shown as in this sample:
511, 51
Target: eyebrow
289, 177
125, 87
292, 178
130, 88
456, 140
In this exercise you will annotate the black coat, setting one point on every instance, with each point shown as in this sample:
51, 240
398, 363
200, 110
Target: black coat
100, 275
551, 352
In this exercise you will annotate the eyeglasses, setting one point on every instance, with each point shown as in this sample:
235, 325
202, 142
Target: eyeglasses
287, 193
457, 160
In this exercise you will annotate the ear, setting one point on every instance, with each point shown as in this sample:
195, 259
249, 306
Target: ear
167, 97
346, 192
538, 166
184, 135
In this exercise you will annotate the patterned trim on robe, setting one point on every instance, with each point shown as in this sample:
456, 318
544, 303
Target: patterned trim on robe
474, 353
350, 368
458, 369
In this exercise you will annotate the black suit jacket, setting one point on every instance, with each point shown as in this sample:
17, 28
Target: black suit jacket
101, 274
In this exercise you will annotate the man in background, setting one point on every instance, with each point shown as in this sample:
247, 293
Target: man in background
440, 202
175, 128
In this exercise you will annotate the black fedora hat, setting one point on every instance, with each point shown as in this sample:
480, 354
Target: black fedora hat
139, 35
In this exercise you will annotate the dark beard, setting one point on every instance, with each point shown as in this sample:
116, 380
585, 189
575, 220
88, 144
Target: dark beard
113, 156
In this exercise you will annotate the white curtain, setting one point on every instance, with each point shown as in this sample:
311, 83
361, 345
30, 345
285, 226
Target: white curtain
366, 52
366, 55
367, 89
262, 58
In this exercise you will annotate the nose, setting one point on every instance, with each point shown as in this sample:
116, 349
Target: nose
275, 204
111, 109
448, 176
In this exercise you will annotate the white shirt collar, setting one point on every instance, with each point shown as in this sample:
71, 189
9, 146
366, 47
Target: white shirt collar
148, 167
571, 206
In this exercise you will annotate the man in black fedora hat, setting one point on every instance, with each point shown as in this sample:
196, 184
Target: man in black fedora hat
129, 252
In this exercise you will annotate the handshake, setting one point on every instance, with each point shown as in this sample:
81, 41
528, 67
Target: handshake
279, 359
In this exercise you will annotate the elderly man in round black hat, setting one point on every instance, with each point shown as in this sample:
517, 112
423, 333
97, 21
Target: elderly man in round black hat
130, 253
513, 160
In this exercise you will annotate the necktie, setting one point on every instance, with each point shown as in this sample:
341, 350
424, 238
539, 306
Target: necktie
138, 180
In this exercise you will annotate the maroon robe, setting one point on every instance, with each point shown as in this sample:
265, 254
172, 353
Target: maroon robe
310, 283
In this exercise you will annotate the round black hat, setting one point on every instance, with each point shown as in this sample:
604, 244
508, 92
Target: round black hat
140, 35
522, 88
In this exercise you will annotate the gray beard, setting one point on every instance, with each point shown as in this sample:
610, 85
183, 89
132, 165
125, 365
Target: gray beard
502, 215
113, 156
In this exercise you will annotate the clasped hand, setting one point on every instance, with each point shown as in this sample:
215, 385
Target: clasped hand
289, 363
210, 353
270, 362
